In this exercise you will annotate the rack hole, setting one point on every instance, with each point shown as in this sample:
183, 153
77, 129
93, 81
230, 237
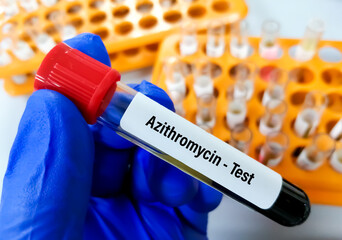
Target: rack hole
148, 22
124, 28
335, 102
113, 56
152, 47
98, 17
297, 151
144, 6
220, 6
234, 70
298, 98
74, 9
172, 16
121, 11
301, 75
330, 54
196, 11
131, 52
51, 29
332, 77
103, 33
77, 22
330, 125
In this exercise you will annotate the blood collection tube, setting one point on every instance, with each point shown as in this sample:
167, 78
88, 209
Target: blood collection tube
336, 157
277, 83
20, 49
98, 94
43, 41
58, 18
206, 112
202, 73
319, 150
269, 47
174, 70
237, 108
272, 152
272, 121
308, 119
188, 44
308, 46
239, 45
336, 131
29, 5
240, 138
215, 39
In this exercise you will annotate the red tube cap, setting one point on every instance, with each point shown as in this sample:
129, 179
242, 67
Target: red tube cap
88, 83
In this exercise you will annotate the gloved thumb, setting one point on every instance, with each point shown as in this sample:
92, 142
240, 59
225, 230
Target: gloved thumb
48, 180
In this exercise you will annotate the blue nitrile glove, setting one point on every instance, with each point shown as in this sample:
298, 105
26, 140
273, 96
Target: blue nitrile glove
61, 184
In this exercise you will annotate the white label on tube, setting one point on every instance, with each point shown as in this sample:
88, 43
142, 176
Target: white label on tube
201, 151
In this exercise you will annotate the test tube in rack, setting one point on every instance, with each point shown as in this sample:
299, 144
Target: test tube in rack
10, 8
277, 83
66, 30
272, 121
188, 44
49, 3
314, 155
272, 152
237, 108
269, 47
203, 80
215, 46
29, 5
336, 157
43, 41
175, 73
308, 46
244, 74
239, 44
240, 138
5, 58
206, 112
308, 119
20, 48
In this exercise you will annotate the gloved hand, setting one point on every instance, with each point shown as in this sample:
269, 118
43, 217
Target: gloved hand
66, 180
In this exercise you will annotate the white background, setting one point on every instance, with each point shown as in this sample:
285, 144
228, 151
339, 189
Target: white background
231, 220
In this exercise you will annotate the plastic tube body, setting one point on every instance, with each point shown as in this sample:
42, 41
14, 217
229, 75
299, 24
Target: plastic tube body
269, 47
272, 152
291, 206
314, 155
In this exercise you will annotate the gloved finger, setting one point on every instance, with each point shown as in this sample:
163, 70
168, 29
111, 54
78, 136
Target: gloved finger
206, 199
195, 223
110, 170
93, 46
110, 165
47, 185
113, 218
153, 178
